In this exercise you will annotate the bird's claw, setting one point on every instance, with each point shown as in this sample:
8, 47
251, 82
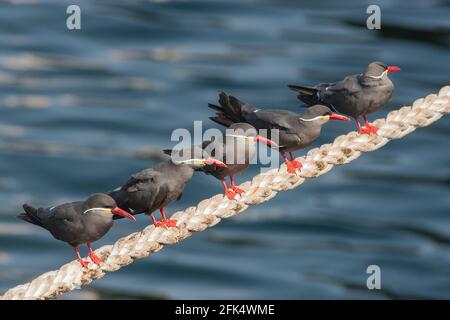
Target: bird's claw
293, 165
364, 130
169, 223
230, 194
372, 129
159, 224
95, 258
165, 223
291, 168
84, 264
237, 190
297, 164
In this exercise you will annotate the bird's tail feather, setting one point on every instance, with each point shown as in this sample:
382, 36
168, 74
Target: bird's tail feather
307, 95
30, 215
302, 89
215, 107
230, 110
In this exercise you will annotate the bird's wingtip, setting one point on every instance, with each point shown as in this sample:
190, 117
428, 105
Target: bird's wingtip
293, 87
27, 207
222, 94
21, 215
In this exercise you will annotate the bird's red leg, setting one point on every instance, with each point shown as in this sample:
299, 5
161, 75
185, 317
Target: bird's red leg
296, 163
291, 168
233, 186
372, 129
167, 222
93, 256
228, 192
361, 130
83, 263
155, 222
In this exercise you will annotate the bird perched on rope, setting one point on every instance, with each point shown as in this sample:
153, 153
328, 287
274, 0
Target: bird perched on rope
77, 222
295, 131
157, 187
236, 150
355, 95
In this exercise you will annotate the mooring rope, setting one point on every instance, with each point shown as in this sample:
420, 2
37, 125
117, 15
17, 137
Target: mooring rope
209, 212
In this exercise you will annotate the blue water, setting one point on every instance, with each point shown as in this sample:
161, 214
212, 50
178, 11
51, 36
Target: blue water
82, 110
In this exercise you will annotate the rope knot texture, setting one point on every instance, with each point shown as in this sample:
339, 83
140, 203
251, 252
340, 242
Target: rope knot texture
261, 188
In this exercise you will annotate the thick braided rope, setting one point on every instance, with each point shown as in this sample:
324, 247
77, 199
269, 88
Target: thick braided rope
209, 212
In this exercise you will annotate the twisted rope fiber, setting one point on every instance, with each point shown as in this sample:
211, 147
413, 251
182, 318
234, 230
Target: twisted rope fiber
209, 212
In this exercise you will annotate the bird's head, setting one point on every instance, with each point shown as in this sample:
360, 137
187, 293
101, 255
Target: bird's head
194, 157
319, 114
377, 70
103, 205
246, 132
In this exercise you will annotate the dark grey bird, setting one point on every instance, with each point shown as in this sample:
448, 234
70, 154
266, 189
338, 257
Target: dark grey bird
295, 131
77, 222
157, 187
237, 149
355, 95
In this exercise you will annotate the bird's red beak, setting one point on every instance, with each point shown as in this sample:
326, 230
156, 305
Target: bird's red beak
335, 116
214, 162
391, 69
123, 213
268, 142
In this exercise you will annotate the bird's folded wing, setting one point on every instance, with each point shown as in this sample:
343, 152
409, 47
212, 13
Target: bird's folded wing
65, 211
279, 119
322, 86
57, 215
146, 180
349, 86
46, 213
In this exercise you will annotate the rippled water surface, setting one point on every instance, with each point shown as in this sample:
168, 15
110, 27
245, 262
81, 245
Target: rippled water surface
82, 110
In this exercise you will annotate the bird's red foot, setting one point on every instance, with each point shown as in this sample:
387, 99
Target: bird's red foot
169, 223
95, 258
364, 130
230, 194
237, 190
291, 168
372, 129
84, 264
293, 165
157, 223
297, 164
